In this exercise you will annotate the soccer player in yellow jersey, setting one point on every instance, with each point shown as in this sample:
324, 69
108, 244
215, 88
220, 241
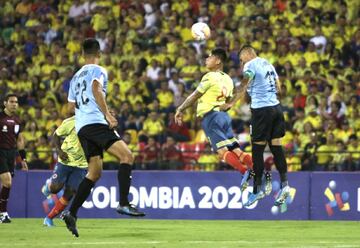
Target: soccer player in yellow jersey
70, 169
213, 91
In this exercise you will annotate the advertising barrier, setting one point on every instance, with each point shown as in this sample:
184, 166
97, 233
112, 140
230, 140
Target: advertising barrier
335, 196
201, 195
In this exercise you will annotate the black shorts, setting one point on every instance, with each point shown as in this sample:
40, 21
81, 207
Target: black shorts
267, 123
7, 160
96, 138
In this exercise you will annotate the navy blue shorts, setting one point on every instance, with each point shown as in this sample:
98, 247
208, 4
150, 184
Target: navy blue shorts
218, 130
68, 175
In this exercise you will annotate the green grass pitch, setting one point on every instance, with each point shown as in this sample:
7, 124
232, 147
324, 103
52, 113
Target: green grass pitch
139, 233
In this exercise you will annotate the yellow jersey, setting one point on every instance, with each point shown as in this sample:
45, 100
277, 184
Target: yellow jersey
71, 144
216, 87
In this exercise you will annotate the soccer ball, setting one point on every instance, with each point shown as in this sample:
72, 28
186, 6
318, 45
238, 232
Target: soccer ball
200, 31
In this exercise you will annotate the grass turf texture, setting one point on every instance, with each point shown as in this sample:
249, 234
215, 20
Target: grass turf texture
137, 233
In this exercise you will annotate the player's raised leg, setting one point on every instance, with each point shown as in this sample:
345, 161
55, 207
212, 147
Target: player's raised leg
52, 186
120, 150
73, 178
60, 205
57, 180
217, 127
231, 157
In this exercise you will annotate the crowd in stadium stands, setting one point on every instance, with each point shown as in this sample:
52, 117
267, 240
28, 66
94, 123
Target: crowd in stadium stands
153, 63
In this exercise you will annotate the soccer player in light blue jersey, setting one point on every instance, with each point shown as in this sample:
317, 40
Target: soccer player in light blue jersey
95, 125
262, 85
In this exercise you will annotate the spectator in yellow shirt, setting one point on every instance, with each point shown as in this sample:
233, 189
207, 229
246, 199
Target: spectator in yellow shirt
185, 31
43, 150
208, 161
166, 97
313, 117
31, 132
305, 136
133, 96
354, 154
311, 55
153, 126
48, 67
339, 157
344, 132
294, 54
325, 151
354, 120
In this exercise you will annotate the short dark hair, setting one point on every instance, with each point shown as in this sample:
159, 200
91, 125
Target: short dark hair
220, 53
7, 97
91, 46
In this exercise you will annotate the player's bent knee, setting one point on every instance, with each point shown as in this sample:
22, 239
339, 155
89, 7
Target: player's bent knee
6, 180
127, 159
55, 187
94, 175
7, 184
120, 150
221, 152
125, 156
94, 172
95, 166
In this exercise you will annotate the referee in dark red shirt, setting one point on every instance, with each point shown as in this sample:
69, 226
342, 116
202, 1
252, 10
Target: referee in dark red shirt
11, 143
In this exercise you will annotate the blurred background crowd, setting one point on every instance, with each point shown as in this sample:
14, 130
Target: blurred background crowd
153, 64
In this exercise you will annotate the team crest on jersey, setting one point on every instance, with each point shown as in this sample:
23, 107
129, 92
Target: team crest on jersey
4, 129
16, 128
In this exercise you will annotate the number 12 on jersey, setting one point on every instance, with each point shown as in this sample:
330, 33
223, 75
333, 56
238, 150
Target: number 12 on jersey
80, 94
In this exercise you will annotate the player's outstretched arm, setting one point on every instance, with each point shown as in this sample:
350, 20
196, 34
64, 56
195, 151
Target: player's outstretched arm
239, 93
100, 100
189, 101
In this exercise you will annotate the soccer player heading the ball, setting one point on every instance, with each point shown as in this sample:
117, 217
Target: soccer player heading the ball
213, 91
262, 85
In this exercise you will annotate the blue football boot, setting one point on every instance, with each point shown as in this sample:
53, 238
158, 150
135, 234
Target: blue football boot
254, 198
48, 222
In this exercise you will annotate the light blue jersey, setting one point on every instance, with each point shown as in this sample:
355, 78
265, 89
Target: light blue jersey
80, 92
262, 87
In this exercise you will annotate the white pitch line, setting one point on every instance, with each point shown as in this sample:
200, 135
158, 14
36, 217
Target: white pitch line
189, 242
